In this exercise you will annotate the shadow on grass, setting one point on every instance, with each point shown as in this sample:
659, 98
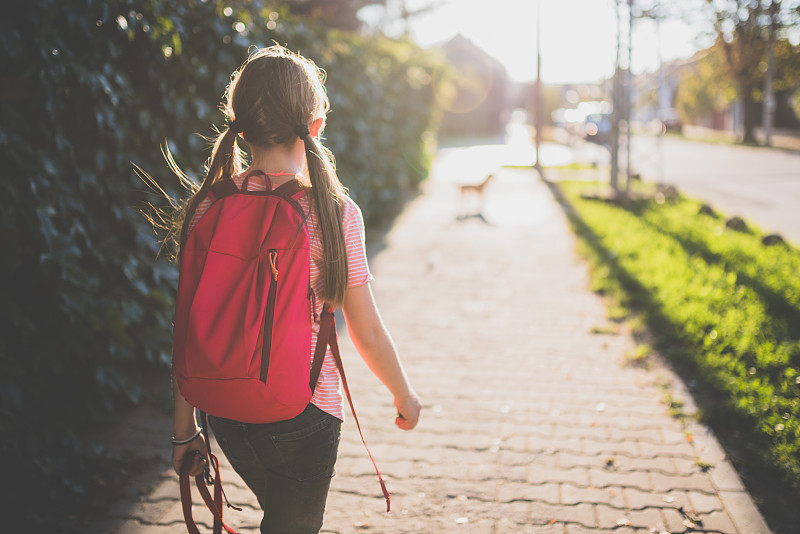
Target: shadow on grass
775, 495
775, 303
786, 314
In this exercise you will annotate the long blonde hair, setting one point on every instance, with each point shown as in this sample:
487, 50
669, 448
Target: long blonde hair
271, 97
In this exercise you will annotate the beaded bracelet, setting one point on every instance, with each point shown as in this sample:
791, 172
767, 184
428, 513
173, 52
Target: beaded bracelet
187, 440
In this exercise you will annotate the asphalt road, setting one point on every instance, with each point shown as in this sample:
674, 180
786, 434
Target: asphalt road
761, 185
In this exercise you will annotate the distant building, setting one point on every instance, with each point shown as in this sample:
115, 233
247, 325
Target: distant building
477, 102
658, 92
655, 92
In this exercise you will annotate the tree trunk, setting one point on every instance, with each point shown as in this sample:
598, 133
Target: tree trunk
750, 118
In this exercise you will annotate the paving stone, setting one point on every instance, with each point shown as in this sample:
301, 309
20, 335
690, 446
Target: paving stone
582, 514
614, 518
704, 502
541, 475
676, 522
587, 432
664, 465
593, 495
687, 466
658, 449
507, 527
637, 499
577, 529
524, 458
635, 479
549, 443
721, 522
494, 472
744, 513
590, 446
698, 481
513, 492
131, 526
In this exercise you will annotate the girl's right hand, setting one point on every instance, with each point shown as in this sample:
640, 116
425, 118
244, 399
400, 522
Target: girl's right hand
408, 411
194, 451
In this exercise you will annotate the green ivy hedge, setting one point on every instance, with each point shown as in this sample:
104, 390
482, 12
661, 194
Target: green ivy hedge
88, 88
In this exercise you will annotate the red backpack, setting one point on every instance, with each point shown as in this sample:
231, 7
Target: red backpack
243, 315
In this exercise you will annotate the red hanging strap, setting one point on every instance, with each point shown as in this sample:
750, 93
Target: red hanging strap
214, 505
328, 324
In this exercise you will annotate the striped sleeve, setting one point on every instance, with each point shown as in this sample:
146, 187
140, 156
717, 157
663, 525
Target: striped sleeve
201, 209
357, 266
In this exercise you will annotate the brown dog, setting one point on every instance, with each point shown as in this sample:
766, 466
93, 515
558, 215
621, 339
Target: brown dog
476, 191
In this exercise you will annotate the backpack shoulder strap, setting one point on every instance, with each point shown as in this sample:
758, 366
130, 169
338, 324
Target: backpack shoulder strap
327, 337
214, 503
289, 189
224, 188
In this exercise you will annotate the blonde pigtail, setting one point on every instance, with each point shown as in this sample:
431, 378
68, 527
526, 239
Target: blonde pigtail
328, 194
225, 162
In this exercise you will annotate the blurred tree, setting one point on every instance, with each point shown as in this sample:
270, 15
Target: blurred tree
742, 28
707, 89
702, 93
340, 14
795, 102
786, 82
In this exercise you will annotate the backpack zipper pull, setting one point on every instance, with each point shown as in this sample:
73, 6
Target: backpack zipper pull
313, 297
273, 263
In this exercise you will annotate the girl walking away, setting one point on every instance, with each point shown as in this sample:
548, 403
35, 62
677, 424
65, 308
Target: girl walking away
283, 444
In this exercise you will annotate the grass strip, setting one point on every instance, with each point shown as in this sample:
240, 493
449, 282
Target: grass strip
723, 308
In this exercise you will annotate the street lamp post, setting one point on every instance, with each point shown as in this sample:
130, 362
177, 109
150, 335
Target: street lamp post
539, 122
616, 102
628, 99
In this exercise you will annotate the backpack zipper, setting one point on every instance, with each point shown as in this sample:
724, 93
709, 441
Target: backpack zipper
269, 314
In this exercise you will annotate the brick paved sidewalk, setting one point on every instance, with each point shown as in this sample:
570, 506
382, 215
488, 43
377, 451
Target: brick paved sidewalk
533, 422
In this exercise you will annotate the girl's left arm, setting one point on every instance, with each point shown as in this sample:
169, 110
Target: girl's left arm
375, 345
184, 426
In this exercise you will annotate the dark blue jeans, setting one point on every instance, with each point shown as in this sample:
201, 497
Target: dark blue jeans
288, 465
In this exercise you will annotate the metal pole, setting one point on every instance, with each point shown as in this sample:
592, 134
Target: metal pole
660, 137
628, 99
539, 106
769, 95
615, 105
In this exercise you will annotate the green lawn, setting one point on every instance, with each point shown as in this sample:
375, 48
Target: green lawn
724, 309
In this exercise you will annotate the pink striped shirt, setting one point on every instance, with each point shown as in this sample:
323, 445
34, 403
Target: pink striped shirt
327, 394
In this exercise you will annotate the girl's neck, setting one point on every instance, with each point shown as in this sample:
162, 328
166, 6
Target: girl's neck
280, 163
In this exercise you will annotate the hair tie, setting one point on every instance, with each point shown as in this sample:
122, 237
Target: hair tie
301, 131
235, 126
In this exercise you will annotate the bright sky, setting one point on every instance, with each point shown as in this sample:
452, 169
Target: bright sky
578, 40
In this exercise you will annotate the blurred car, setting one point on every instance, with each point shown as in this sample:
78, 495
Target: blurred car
597, 128
670, 120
